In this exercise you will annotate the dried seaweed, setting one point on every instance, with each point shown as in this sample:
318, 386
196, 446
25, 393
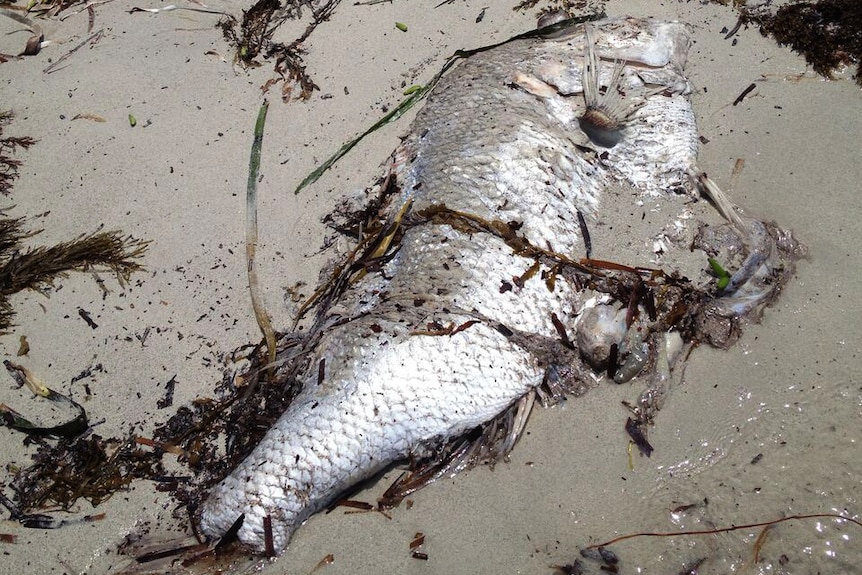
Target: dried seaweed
8, 146
828, 33
92, 468
255, 31
570, 6
39, 267
254, 38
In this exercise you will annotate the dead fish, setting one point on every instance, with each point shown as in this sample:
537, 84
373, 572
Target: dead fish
452, 318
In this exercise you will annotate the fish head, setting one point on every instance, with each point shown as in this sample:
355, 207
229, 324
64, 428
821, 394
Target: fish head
618, 87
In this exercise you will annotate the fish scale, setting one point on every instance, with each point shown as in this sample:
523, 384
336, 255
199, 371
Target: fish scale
440, 336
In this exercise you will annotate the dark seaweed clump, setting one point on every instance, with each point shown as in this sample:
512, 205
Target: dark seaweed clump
92, 468
828, 33
571, 6
8, 146
37, 268
254, 38
89, 467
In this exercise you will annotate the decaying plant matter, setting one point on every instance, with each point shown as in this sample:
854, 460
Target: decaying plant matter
828, 33
37, 267
570, 6
254, 38
77, 466
8, 146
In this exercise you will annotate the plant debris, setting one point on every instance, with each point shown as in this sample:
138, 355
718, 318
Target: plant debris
8, 146
89, 467
14, 420
37, 268
254, 38
50, 8
78, 465
34, 42
92, 39
828, 33
728, 529
257, 303
570, 6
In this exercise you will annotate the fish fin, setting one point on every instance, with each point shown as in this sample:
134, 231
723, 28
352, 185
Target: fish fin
488, 444
607, 112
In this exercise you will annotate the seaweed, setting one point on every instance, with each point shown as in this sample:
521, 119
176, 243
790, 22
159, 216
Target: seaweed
570, 6
8, 146
38, 267
93, 468
77, 465
827, 33
90, 467
254, 38
255, 31
14, 420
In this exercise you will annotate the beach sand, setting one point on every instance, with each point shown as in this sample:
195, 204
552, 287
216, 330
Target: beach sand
765, 430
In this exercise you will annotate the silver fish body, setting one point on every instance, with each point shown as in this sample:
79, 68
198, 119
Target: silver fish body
430, 343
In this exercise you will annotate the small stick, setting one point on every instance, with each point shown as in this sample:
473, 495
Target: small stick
744, 93
585, 232
92, 39
725, 529
267, 536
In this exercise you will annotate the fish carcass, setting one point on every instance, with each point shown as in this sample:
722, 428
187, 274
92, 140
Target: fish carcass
474, 289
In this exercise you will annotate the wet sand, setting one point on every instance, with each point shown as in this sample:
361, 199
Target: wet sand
765, 430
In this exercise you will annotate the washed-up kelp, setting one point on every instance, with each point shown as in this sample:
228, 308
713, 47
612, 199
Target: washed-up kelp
828, 33
38, 267
254, 39
8, 146
75, 467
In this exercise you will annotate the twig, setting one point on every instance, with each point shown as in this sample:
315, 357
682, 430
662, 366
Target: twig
172, 7
87, 7
724, 529
92, 39
744, 93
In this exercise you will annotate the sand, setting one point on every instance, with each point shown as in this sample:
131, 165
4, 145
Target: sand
767, 429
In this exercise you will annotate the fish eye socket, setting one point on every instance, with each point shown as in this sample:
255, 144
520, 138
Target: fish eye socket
557, 25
